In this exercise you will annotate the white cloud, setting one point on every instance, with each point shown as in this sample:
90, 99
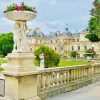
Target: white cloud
53, 14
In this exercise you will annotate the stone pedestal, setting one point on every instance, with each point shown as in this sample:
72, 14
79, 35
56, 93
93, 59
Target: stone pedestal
20, 83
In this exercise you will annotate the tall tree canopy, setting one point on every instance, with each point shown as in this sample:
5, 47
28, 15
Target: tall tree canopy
6, 43
94, 23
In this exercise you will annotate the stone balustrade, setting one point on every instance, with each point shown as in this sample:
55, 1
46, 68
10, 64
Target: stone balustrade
53, 81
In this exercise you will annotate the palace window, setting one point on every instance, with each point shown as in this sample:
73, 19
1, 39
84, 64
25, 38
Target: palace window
85, 47
61, 48
55, 48
78, 47
77, 40
72, 48
31, 48
93, 48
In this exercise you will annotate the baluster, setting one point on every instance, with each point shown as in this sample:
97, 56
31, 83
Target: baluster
55, 78
83, 73
60, 78
74, 75
64, 77
39, 83
68, 76
51, 79
47, 81
78, 74
43, 81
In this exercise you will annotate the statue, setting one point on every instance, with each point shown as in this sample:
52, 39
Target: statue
20, 39
42, 66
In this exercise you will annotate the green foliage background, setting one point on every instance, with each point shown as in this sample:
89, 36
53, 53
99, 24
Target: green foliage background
94, 23
6, 44
74, 54
51, 57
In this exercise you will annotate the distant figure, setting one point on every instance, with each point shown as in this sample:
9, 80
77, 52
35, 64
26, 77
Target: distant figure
42, 66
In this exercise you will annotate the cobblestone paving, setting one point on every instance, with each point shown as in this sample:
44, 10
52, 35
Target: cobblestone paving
90, 92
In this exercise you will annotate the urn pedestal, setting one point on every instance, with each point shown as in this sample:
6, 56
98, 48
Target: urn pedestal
20, 83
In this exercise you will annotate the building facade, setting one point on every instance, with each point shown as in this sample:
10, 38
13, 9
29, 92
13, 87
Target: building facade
62, 42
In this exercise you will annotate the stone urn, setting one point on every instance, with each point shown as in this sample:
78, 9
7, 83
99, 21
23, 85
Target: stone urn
20, 15
20, 29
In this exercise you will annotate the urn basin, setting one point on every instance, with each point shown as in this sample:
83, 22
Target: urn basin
20, 15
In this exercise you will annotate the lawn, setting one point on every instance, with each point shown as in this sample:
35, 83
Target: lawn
3, 61
63, 63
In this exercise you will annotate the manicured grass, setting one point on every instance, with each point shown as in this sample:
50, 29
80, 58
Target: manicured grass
3, 61
63, 63
1, 69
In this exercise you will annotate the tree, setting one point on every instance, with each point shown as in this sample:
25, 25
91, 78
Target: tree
51, 57
74, 54
6, 43
92, 37
94, 23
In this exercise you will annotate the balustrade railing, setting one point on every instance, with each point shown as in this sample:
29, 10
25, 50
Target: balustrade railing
53, 81
57, 80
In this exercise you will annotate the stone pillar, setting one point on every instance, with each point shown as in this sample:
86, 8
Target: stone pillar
20, 80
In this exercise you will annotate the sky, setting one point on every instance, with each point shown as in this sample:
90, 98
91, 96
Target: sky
53, 15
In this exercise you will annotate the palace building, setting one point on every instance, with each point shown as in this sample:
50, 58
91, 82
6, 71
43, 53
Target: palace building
62, 42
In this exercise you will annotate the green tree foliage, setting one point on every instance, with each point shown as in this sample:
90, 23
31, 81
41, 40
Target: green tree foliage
74, 54
94, 23
6, 43
92, 37
51, 57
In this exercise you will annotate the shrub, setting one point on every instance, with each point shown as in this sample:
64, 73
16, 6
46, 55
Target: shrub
74, 54
51, 57
6, 44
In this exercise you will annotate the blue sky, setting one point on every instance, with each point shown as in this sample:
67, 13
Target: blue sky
53, 15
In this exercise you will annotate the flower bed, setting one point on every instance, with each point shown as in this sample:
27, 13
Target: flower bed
21, 7
90, 52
